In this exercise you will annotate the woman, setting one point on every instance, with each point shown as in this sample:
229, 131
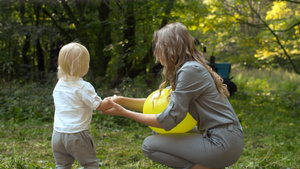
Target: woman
196, 89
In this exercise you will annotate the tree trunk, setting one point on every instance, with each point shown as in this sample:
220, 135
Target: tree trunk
40, 57
129, 36
54, 51
25, 66
129, 43
104, 38
39, 49
148, 58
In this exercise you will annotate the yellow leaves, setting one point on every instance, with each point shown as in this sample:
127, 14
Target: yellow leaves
295, 51
193, 27
270, 49
279, 10
201, 25
72, 26
212, 5
297, 30
208, 2
280, 16
205, 29
265, 53
236, 15
211, 16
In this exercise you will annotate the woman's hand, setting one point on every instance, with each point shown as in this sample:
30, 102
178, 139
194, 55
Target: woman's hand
114, 98
135, 104
115, 110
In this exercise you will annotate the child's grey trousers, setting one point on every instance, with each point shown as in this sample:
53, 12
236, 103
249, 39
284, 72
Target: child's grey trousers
68, 147
215, 148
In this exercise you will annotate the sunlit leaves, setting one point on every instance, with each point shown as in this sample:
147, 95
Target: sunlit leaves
278, 11
231, 30
281, 18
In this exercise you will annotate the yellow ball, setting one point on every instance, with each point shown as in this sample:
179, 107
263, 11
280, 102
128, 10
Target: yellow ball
160, 104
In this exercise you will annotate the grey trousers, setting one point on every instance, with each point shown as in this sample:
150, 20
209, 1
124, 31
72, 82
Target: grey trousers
215, 148
68, 147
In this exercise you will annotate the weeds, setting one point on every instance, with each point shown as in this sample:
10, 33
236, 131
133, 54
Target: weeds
267, 104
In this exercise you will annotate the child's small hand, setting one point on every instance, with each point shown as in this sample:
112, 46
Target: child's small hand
104, 105
115, 110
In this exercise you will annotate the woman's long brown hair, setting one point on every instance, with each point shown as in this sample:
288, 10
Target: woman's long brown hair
174, 46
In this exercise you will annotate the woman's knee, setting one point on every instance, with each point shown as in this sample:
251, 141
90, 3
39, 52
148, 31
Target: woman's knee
150, 145
146, 146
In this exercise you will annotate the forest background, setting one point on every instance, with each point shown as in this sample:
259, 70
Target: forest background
118, 34
259, 38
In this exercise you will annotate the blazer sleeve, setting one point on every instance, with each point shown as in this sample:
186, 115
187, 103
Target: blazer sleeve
190, 84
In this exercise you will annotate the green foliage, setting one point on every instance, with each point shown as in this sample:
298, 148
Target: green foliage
20, 103
268, 107
267, 104
232, 31
268, 81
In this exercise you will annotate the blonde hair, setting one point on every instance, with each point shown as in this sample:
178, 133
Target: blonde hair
174, 45
73, 61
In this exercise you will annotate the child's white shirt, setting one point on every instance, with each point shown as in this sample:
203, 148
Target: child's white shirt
74, 102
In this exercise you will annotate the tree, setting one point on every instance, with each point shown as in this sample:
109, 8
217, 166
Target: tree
104, 37
148, 58
25, 66
256, 26
39, 49
118, 34
295, 23
127, 7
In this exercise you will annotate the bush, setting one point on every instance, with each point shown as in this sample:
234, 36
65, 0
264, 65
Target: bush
267, 104
22, 102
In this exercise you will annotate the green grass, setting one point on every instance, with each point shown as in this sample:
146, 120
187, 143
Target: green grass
267, 103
